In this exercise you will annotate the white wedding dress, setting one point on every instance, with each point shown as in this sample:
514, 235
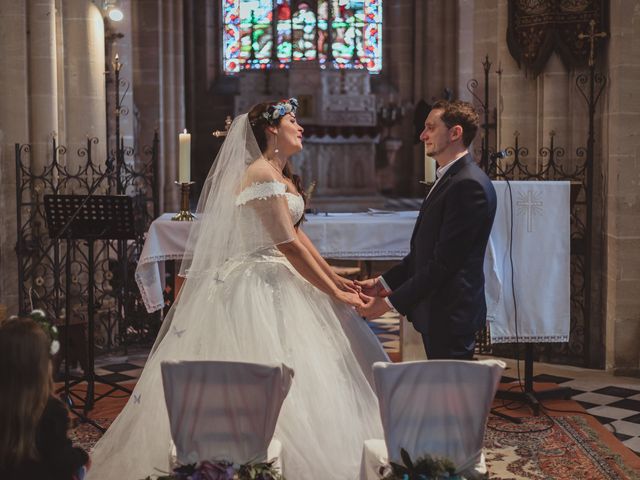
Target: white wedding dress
260, 309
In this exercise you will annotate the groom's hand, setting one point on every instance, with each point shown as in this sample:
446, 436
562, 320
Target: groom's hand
372, 287
374, 307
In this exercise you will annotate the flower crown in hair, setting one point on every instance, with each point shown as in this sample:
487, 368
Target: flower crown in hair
40, 317
279, 110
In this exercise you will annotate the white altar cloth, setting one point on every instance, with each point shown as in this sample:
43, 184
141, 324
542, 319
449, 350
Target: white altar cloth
541, 256
343, 236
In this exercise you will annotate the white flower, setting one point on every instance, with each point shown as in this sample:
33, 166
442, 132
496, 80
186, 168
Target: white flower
193, 457
54, 329
55, 347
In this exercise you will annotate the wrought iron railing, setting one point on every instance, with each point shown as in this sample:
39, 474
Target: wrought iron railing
550, 162
120, 314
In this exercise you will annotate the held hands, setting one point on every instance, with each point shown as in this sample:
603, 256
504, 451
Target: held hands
345, 284
372, 287
366, 295
350, 298
373, 307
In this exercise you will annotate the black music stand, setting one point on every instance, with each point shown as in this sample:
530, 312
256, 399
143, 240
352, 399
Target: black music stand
89, 218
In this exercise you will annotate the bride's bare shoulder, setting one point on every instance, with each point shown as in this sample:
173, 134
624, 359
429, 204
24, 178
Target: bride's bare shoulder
259, 166
258, 172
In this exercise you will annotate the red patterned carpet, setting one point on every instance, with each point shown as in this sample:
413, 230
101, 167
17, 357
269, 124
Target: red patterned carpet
566, 447
560, 446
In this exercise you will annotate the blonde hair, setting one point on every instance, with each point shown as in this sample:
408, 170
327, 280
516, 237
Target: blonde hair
26, 384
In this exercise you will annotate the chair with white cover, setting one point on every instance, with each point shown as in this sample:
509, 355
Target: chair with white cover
225, 410
434, 407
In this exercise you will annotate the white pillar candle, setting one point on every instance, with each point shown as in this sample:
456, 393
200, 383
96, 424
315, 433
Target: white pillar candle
499, 110
184, 164
429, 167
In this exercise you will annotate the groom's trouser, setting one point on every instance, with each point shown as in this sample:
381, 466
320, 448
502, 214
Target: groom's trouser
446, 346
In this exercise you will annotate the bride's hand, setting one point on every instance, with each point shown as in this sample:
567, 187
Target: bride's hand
372, 287
345, 284
349, 298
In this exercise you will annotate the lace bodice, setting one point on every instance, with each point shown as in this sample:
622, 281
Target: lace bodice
296, 206
263, 190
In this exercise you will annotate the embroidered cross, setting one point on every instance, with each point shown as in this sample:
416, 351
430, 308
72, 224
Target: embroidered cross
592, 36
136, 398
530, 205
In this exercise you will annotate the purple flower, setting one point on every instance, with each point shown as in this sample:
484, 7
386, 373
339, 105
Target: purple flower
214, 471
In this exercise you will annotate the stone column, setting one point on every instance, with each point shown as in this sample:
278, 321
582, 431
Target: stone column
519, 94
158, 75
553, 91
212, 92
119, 39
172, 99
14, 128
419, 62
621, 154
144, 68
434, 63
43, 81
467, 56
84, 63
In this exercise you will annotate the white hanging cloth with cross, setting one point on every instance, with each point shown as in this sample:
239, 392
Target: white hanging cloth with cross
541, 263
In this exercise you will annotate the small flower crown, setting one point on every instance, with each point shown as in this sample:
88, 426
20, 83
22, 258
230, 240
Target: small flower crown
40, 317
279, 110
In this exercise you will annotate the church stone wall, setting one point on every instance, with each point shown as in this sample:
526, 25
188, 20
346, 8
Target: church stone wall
535, 107
551, 102
622, 190
14, 127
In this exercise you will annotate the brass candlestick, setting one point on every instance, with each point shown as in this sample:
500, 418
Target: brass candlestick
184, 215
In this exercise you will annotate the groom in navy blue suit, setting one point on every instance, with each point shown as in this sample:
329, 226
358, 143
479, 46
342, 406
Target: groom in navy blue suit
439, 285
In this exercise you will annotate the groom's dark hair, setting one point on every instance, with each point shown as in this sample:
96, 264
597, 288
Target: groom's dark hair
460, 113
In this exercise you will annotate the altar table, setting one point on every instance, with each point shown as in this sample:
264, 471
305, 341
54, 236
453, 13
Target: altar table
375, 235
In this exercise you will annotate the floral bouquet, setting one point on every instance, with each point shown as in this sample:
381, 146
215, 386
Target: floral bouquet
424, 468
223, 471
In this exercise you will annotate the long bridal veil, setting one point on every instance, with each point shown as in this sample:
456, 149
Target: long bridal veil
243, 301
222, 231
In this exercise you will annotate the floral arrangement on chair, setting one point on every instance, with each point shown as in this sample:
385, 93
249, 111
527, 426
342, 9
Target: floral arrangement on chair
424, 468
223, 471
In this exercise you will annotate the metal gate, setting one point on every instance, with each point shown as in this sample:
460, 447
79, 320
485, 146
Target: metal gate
583, 348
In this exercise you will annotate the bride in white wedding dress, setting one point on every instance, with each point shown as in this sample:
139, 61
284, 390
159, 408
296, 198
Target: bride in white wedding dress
256, 290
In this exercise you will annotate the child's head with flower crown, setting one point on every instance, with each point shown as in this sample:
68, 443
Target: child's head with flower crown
25, 383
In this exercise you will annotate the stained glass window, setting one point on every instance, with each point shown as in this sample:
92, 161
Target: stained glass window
336, 33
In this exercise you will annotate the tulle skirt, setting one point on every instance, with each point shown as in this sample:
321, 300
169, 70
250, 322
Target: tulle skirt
261, 310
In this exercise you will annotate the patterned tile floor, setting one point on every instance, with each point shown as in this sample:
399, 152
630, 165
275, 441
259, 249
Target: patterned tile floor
615, 406
614, 401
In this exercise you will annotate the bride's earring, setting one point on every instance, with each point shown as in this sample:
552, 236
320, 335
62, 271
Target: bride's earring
275, 150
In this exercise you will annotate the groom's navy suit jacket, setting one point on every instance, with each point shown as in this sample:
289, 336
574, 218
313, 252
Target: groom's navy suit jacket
439, 286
